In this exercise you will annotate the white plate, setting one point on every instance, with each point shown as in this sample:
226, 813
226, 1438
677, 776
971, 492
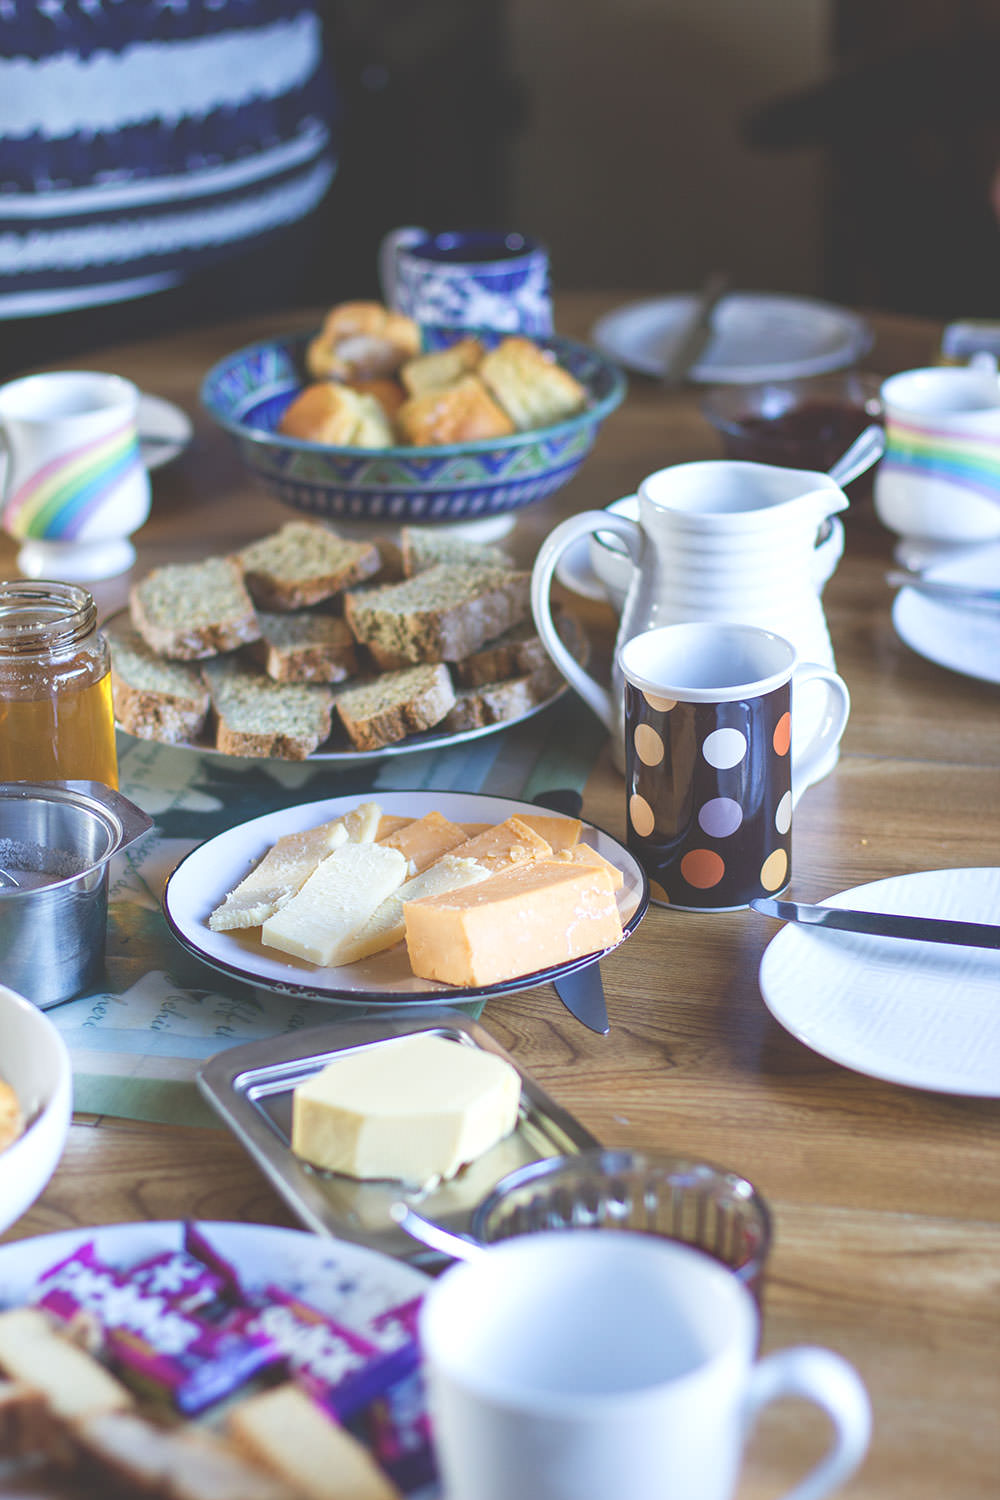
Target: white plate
203, 877
758, 336
346, 1281
922, 1014
164, 430
961, 637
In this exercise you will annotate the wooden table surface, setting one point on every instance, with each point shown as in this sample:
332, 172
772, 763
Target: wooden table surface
886, 1199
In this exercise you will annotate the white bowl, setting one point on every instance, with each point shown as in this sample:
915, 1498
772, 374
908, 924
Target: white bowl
35, 1062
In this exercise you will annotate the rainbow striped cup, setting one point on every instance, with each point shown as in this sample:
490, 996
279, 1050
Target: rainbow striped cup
75, 487
938, 482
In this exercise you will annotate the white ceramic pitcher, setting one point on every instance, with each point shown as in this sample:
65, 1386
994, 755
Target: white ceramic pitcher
715, 540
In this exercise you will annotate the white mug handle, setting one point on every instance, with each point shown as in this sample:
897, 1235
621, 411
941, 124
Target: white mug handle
826, 1379
592, 692
408, 234
810, 761
827, 554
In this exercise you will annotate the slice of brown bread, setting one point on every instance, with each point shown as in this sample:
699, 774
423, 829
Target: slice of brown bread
443, 614
423, 546
188, 611
305, 645
491, 703
303, 563
385, 709
154, 699
519, 652
259, 717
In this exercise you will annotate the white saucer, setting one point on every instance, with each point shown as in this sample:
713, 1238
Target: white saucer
574, 572
961, 637
164, 430
921, 1014
758, 336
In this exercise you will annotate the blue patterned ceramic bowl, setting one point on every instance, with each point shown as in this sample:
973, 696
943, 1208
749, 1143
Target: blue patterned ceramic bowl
247, 392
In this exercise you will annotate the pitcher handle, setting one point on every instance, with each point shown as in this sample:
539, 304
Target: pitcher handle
586, 523
408, 234
831, 1383
810, 761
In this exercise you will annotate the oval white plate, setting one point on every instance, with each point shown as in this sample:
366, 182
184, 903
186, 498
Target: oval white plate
758, 336
963, 638
922, 1014
203, 877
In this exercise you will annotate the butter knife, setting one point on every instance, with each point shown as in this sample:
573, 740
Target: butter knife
883, 924
582, 992
686, 352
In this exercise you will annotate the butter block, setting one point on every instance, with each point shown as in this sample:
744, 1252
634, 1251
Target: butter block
386, 926
281, 873
285, 1430
526, 917
503, 844
414, 1109
338, 898
425, 840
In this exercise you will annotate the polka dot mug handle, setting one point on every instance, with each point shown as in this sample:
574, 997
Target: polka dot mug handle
811, 760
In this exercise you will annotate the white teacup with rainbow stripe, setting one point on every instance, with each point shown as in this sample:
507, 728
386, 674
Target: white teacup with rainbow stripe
75, 486
938, 483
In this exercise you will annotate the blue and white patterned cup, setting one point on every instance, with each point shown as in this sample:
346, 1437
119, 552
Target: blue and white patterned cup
475, 278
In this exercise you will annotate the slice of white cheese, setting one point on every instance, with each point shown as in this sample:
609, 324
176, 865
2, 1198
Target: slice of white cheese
338, 898
281, 873
362, 822
414, 1109
387, 924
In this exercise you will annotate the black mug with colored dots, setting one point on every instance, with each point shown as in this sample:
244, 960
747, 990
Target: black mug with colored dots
712, 774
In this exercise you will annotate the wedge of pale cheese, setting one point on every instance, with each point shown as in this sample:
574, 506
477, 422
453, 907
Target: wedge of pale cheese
528, 916
415, 1109
362, 822
338, 898
32, 1350
386, 926
281, 873
425, 839
286, 1431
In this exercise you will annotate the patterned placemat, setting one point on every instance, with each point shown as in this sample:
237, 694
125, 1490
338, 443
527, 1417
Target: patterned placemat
136, 1044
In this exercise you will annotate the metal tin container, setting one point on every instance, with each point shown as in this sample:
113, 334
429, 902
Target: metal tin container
56, 839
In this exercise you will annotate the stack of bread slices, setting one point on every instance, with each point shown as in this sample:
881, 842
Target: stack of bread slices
307, 639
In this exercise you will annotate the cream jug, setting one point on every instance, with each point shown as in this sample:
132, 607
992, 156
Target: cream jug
715, 540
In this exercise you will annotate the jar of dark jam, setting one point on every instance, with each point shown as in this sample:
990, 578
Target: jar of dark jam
56, 715
797, 424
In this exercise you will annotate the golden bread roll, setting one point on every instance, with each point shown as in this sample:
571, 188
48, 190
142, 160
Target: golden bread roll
387, 391
429, 372
328, 412
530, 385
459, 413
361, 340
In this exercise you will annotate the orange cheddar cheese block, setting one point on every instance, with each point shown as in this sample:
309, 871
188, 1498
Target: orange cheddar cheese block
389, 823
584, 854
560, 833
526, 917
425, 840
503, 844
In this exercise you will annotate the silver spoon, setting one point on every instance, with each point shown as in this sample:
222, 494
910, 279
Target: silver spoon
457, 1246
7, 881
866, 450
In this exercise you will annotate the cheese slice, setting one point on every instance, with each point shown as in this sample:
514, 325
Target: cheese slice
585, 855
559, 832
506, 843
285, 1430
74, 1383
527, 917
282, 872
338, 898
386, 926
362, 822
415, 1109
425, 840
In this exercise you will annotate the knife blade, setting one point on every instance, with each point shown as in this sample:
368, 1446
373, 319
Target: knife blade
582, 992
883, 924
694, 338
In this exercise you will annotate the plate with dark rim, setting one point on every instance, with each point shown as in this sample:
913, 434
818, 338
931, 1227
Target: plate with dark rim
203, 878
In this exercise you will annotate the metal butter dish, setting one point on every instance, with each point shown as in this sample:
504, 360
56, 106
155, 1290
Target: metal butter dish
251, 1088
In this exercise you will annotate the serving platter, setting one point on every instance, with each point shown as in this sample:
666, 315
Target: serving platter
204, 877
344, 1280
921, 1014
251, 1088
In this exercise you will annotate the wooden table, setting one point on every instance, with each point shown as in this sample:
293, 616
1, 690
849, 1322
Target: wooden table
886, 1199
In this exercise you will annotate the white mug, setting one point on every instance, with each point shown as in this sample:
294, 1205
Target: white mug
584, 1364
75, 486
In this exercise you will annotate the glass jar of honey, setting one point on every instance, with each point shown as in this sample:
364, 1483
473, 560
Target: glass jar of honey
56, 716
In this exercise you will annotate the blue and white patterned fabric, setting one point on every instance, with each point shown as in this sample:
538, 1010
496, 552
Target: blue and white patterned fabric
144, 140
